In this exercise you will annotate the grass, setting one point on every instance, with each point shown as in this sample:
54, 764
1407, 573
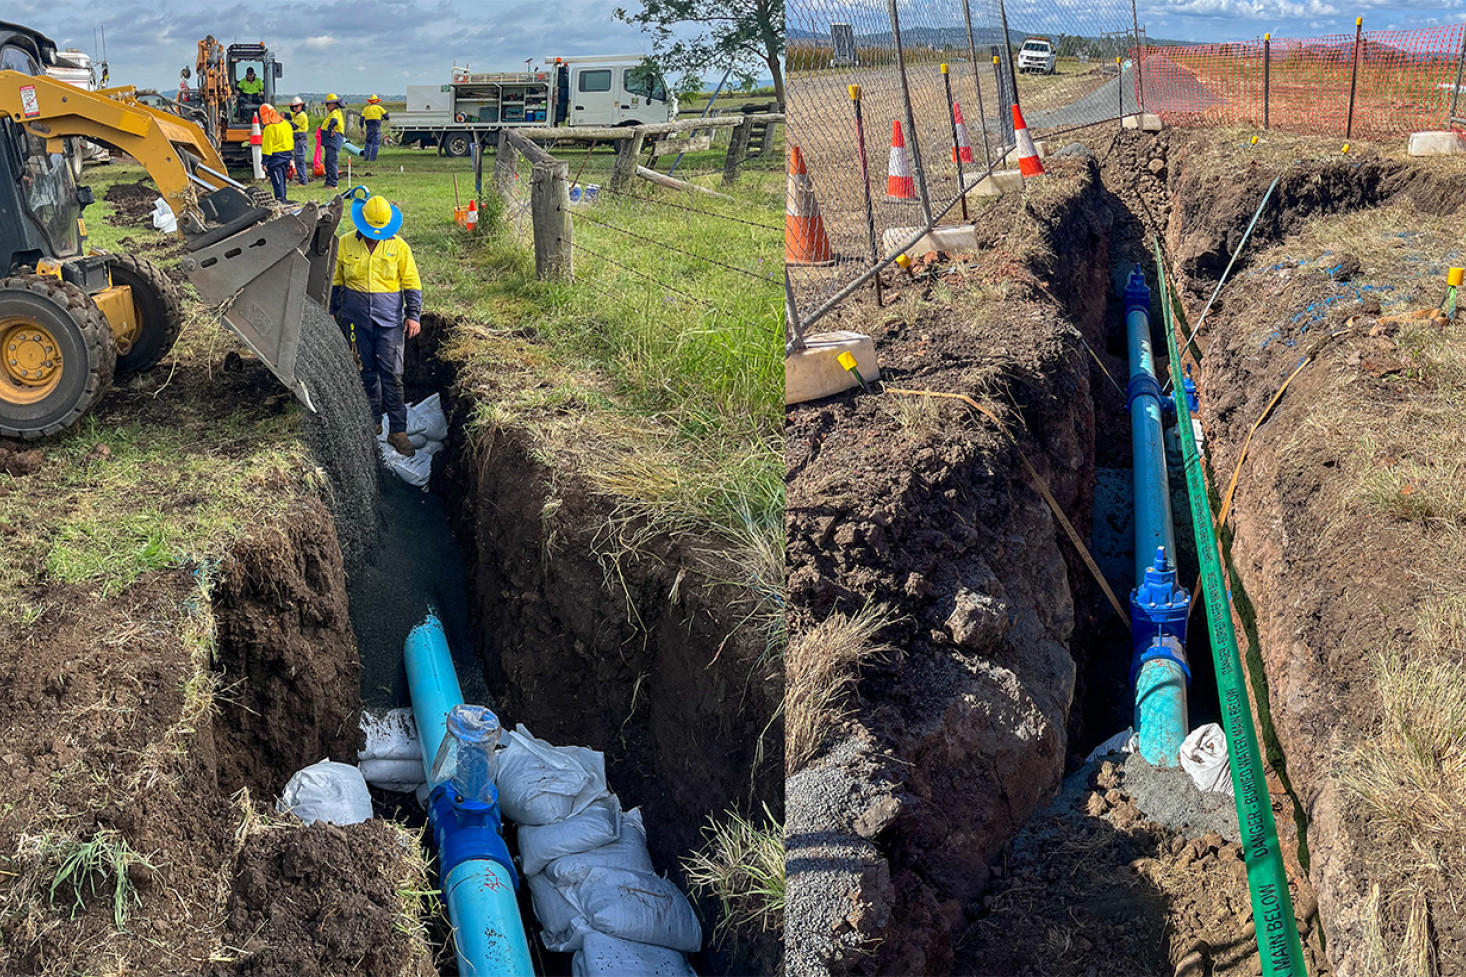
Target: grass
742, 864
80, 868
821, 668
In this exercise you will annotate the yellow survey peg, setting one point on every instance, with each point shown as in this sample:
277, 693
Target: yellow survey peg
847, 360
1345, 149
1254, 141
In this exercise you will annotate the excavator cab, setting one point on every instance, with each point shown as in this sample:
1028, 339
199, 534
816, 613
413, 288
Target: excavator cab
70, 319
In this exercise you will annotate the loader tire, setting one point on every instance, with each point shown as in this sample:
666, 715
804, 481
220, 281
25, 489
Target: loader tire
159, 313
59, 355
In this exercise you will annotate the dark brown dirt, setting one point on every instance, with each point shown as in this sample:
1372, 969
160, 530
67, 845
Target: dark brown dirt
650, 663
19, 459
134, 203
319, 901
287, 653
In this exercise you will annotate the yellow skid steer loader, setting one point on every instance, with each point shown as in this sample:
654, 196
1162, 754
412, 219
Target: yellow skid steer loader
71, 319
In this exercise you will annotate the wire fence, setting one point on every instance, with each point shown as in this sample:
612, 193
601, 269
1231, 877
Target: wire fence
875, 93
1366, 84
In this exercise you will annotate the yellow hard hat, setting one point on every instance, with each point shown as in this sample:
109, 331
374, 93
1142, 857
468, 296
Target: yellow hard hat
375, 217
333, 97
375, 98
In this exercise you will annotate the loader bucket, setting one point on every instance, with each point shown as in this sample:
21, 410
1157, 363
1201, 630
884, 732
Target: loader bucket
261, 277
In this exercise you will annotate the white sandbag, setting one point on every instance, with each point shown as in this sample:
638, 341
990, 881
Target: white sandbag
599, 824
627, 852
163, 218
1122, 742
637, 906
1204, 757
402, 776
327, 791
564, 928
390, 735
606, 956
427, 420
415, 470
541, 784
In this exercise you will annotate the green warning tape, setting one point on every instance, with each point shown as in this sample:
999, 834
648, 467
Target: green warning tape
1272, 906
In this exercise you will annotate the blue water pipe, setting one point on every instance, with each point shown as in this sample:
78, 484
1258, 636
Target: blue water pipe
1158, 606
478, 876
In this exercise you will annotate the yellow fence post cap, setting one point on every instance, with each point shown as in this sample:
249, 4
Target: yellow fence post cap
1358, 21
1455, 276
846, 359
1267, 37
944, 67
995, 59
855, 93
1254, 140
1345, 149
903, 261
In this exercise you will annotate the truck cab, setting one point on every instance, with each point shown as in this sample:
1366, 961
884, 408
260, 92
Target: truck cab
1037, 56
611, 90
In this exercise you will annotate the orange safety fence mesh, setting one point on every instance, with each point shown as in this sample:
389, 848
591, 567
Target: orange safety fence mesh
1407, 81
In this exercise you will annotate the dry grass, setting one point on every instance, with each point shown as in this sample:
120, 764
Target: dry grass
821, 667
742, 865
1413, 955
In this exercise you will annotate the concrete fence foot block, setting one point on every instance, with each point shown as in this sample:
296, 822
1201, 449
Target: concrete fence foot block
1436, 144
999, 183
950, 239
815, 371
1144, 121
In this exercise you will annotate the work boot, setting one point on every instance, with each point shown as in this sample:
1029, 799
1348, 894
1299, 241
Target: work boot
401, 444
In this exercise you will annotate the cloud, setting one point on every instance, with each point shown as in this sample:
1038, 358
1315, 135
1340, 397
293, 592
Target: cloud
320, 41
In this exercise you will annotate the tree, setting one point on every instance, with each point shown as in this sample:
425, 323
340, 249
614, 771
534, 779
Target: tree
729, 32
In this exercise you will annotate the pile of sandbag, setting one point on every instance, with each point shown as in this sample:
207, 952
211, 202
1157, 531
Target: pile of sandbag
427, 429
586, 862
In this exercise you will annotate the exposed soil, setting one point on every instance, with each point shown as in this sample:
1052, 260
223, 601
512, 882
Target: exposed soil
320, 901
645, 658
134, 203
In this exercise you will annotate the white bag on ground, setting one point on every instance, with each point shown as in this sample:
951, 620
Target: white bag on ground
390, 735
606, 956
564, 928
1122, 742
541, 784
637, 906
1204, 757
599, 824
402, 776
426, 422
415, 470
327, 791
627, 852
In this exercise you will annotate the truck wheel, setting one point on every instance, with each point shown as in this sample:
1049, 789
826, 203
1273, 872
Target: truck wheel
457, 144
58, 355
159, 313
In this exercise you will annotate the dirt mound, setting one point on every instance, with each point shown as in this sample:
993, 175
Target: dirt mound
322, 900
18, 459
286, 653
134, 203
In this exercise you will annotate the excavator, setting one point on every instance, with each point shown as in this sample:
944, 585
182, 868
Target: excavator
73, 318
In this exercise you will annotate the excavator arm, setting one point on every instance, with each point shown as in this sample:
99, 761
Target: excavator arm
257, 265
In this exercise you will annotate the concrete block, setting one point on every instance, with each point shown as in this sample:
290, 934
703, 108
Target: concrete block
1144, 121
1436, 144
815, 372
999, 183
950, 239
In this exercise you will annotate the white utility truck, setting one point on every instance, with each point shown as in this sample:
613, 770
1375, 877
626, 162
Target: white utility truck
611, 90
1037, 55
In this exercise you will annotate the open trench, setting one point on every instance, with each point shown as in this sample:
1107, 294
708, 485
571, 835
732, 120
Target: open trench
629, 665
972, 836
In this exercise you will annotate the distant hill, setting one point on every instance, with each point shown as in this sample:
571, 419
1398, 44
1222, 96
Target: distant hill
956, 37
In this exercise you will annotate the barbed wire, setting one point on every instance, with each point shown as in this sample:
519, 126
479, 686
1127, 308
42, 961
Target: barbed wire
581, 215
693, 210
641, 274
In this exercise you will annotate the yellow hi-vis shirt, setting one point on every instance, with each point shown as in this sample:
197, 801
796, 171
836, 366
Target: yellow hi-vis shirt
249, 87
373, 113
335, 122
377, 287
277, 137
301, 121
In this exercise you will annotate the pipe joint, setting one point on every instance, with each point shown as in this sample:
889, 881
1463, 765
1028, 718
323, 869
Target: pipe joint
1193, 401
1158, 608
1137, 293
1142, 385
466, 829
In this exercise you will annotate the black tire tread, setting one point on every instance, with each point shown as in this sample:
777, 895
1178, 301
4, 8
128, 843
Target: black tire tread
96, 333
139, 359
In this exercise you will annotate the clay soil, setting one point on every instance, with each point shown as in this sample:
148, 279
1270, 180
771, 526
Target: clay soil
134, 203
906, 509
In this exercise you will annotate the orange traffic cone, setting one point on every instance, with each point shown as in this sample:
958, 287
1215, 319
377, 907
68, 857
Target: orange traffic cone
805, 240
963, 151
255, 142
1028, 162
899, 184
472, 224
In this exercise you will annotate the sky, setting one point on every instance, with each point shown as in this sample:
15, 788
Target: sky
1229, 20
338, 45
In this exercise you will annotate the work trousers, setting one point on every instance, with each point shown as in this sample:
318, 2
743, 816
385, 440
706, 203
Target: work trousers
381, 352
373, 141
300, 168
330, 150
277, 167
